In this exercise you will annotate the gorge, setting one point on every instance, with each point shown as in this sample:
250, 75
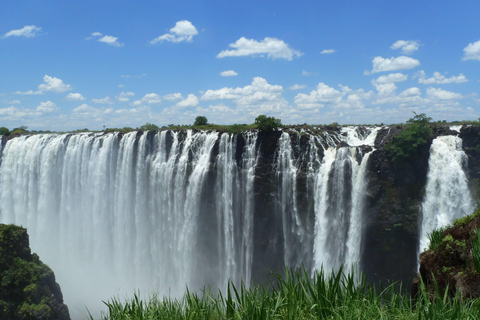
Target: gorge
159, 210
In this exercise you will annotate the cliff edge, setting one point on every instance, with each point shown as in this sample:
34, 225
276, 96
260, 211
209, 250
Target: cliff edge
27, 286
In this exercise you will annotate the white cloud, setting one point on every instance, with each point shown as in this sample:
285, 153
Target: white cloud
328, 51
190, 101
392, 77
183, 31
257, 98
407, 46
27, 32
47, 107
110, 40
273, 48
29, 92
53, 84
472, 51
438, 78
410, 92
75, 97
124, 96
173, 96
400, 63
150, 98
228, 73
105, 100
306, 73
318, 98
297, 87
11, 101
439, 94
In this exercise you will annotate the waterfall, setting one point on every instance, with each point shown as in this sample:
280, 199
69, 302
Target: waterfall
119, 213
340, 191
447, 196
164, 210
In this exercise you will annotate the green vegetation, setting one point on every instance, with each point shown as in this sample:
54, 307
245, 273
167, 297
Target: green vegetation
27, 286
436, 238
266, 124
149, 126
476, 250
417, 133
200, 121
4, 131
338, 295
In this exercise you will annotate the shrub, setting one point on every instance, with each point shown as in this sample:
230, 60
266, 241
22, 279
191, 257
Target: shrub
4, 131
200, 121
408, 142
476, 250
266, 124
149, 126
436, 238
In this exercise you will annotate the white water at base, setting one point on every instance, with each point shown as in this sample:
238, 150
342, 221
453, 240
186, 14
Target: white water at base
113, 215
447, 196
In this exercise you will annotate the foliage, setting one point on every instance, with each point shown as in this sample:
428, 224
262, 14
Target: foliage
200, 121
4, 131
26, 284
476, 250
297, 295
237, 128
436, 238
466, 219
417, 133
149, 126
122, 130
266, 124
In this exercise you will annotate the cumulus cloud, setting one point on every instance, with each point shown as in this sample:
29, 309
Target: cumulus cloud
297, 87
173, 96
47, 107
150, 98
257, 98
228, 73
110, 40
105, 100
53, 84
392, 77
190, 101
319, 97
183, 31
124, 96
328, 51
407, 46
439, 94
27, 32
400, 63
75, 97
472, 51
438, 78
273, 48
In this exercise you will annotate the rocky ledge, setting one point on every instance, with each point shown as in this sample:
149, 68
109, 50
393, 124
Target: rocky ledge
27, 286
450, 261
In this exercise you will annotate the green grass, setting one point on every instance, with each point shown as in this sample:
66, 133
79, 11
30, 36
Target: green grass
436, 238
337, 295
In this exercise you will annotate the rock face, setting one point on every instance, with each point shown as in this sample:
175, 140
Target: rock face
27, 289
451, 262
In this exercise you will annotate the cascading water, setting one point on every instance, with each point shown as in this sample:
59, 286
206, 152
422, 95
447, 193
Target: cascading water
340, 189
161, 210
111, 213
447, 196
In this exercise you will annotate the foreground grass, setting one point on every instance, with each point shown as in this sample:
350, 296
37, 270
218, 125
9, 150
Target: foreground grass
297, 296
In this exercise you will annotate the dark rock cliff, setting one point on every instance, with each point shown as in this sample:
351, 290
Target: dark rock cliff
28, 289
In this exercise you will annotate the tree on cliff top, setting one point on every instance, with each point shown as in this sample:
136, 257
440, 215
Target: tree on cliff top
417, 133
200, 121
266, 124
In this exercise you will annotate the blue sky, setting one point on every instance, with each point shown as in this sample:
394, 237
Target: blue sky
67, 65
